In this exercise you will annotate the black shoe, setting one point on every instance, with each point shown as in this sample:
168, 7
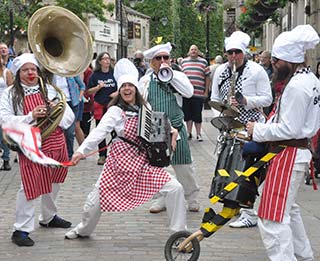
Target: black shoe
5, 165
21, 238
57, 222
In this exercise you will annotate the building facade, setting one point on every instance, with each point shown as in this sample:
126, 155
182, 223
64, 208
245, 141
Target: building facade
295, 12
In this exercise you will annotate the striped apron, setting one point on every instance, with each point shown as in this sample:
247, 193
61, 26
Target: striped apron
162, 98
276, 187
37, 179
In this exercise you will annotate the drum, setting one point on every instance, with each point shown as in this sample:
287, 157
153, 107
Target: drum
226, 123
229, 160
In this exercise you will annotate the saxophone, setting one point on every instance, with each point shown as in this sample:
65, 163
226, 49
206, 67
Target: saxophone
233, 79
231, 92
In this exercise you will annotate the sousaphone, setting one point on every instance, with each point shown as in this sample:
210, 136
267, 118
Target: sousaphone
62, 44
60, 41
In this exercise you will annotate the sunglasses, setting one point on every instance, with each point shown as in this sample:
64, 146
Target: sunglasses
237, 51
159, 58
274, 59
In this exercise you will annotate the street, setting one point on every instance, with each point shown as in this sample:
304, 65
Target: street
138, 235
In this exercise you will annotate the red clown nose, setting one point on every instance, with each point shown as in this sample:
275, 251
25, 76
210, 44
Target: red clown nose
31, 77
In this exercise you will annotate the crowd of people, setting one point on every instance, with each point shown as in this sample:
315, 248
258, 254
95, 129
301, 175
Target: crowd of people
277, 97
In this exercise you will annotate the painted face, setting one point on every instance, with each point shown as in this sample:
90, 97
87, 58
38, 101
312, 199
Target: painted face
29, 74
235, 55
128, 93
159, 59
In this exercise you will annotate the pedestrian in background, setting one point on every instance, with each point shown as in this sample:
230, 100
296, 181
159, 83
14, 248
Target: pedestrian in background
104, 87
85, 123
198, 72
6, 79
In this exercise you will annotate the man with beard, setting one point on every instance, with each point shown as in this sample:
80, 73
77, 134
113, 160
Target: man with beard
253, 84
296, 119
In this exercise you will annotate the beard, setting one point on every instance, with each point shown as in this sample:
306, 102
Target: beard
281, 73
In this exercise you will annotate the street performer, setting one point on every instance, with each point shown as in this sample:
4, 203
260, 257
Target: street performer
127, 180
251, 83
25, 102
167, 97
297, 118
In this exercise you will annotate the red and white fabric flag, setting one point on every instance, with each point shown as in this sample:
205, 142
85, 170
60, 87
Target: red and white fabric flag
28, 138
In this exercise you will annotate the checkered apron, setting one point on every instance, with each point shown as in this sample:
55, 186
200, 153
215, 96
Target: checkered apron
224, 89
128, 180
37, 179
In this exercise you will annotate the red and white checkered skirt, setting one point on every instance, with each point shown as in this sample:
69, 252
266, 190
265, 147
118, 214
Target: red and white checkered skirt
128, 180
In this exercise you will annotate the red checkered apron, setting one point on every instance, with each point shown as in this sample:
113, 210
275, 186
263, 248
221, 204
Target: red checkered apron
37, 179
128, 180
276, 187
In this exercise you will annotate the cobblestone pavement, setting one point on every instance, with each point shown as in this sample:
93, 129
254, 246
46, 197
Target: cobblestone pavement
137, 235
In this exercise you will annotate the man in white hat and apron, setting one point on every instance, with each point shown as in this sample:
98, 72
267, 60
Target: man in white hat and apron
297, 118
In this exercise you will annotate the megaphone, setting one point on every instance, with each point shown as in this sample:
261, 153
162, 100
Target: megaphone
165, 74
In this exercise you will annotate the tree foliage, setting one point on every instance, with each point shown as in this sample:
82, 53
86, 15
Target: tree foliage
22, 10
186, 23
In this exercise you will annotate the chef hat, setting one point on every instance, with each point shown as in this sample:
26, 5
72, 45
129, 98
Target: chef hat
237, 40
22, 59
291, 46
152, 52
125, 72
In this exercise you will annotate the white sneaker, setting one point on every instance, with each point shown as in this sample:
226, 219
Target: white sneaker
242, 222
199, 138
158, 205
72, 234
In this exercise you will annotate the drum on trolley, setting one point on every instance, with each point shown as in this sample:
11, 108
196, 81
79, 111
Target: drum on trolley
231, 163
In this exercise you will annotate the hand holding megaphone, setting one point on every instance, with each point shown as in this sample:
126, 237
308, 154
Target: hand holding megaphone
165, 73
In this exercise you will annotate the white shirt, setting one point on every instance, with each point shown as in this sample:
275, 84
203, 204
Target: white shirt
7, 112
255, 85
113, 119
299, 115
179, 81
61, 82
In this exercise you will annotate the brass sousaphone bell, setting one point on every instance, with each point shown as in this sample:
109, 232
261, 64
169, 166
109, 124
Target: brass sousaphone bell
62, 44
60, 41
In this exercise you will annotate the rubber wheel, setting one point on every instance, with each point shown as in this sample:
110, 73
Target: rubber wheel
171, 248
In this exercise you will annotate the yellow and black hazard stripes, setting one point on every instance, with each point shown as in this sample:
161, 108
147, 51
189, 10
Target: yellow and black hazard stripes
244, 175
212, 222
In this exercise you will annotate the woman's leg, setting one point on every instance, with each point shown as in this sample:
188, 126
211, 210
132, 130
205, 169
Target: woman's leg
90, 216
175, 204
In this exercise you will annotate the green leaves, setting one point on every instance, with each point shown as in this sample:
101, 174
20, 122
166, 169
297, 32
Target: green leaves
22, 10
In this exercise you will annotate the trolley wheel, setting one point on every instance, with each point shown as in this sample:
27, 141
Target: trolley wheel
171, 248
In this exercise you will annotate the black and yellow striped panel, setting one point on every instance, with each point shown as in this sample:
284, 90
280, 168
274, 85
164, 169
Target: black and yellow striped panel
244, 175
212, 222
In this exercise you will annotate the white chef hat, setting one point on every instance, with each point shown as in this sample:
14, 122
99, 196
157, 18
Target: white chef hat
22, 59
291, 46
237, 40
152, 52
125, 72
